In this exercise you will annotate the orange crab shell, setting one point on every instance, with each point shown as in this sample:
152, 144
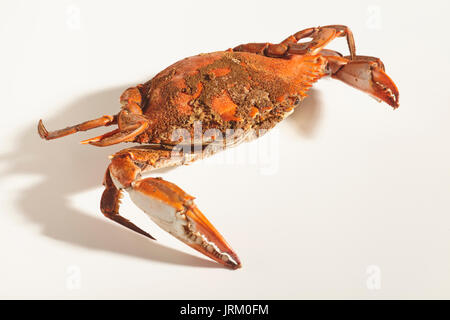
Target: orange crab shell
226, 90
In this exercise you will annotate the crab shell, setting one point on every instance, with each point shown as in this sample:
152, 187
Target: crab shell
225, 90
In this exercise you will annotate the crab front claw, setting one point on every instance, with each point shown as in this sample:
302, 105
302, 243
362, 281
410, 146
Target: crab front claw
384, 88
366, 74
175, 212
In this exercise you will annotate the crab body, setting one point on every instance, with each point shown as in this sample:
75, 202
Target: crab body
226, 91
236, 93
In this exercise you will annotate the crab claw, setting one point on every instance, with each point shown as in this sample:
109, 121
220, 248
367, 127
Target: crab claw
175, 212
368, 76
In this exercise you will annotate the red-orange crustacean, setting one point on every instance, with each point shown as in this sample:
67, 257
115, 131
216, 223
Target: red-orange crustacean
249, 88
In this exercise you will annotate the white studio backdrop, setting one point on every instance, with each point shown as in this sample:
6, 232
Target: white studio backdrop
346, 199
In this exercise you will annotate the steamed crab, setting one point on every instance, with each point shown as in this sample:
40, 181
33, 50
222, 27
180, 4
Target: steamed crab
246, 89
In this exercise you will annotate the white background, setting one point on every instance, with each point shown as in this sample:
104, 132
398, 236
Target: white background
357, 205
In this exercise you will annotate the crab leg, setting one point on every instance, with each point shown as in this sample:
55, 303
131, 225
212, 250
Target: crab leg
165, 203
332, 53
87, 125
321, 36
130, 121
361, 72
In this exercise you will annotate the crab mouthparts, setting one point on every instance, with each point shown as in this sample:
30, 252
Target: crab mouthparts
174, 211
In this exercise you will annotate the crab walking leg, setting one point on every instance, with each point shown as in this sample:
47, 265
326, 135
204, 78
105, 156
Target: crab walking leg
130, 121
87, 125
166, 204
344, 31
131, 126
321, 36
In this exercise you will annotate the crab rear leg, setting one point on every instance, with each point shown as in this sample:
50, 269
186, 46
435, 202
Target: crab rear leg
130, 120
166, 204
320, 37
130, 126
361, 72
87, 125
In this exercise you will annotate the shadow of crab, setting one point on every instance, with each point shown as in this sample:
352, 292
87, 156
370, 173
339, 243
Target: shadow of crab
68, 168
